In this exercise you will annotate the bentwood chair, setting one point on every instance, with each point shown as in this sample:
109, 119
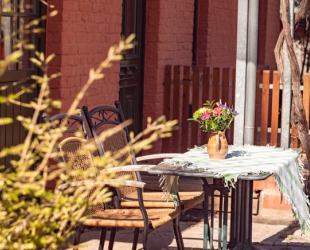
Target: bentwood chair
140, 217
103, 117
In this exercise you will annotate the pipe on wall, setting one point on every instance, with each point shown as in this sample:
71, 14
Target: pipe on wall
251, 66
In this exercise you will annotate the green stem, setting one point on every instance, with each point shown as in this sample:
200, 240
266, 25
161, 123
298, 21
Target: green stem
229, 123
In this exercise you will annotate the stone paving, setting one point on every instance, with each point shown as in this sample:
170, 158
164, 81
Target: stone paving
275, 230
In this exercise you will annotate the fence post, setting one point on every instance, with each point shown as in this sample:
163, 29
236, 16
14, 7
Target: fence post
167, 92
176, 107
185, 108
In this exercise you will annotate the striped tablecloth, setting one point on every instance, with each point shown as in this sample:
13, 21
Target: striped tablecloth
248, 159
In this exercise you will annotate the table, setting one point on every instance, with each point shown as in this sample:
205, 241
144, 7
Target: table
283, 164
241, 205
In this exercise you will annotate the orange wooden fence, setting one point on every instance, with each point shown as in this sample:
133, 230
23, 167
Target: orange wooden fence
187, 88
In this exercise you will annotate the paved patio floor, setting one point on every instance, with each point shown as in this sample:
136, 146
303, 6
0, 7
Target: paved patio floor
274, 230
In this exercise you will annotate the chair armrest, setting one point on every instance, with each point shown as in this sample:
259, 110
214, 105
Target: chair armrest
143, 168
156, 156
111, 182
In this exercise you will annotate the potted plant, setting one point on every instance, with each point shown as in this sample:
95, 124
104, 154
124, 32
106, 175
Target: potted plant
215, 117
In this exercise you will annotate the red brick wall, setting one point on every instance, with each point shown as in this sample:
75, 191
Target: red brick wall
168, 40
269, 29
80, 36
217, 33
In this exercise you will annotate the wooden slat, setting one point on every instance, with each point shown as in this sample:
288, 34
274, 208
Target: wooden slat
306, 95
225, 86
16, 125
265, 103
9, 128
257, 99
24, 111
205, 97
185, 109
167, 104
176, 106
195, 106
206, 84
225, 98
2, 128
275, 109
294, 137
216, 84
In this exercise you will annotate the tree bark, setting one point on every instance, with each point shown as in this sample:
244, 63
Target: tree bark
298, 116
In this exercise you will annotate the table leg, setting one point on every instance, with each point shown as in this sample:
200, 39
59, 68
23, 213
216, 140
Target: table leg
209, 190
241, 216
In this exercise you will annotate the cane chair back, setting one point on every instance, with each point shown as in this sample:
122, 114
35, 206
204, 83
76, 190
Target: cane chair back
105, 117
75, 124
78, 158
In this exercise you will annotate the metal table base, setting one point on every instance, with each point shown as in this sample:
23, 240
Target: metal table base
241, 206
241, 215
209, 190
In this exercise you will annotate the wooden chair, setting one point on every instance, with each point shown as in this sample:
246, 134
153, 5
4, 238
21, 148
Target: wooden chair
148, 219
103, 117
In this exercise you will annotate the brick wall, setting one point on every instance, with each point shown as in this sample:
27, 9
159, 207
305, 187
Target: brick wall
80, 36
217, 33
269, 29
168, 40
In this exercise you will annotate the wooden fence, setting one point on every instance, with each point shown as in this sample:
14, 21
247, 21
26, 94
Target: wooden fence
187, 88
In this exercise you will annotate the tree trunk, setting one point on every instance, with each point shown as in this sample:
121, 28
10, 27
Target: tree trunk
298, 116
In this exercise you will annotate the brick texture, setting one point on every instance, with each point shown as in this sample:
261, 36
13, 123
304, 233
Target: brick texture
217, 33
168, 40
80, 36
269, 29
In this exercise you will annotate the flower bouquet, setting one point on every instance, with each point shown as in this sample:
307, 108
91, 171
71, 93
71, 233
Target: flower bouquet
215, 117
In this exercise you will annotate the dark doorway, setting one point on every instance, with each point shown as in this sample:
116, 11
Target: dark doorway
131, 68
17, 75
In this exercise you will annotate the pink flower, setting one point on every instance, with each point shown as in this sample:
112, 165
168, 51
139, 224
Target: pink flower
206, 115
217, 111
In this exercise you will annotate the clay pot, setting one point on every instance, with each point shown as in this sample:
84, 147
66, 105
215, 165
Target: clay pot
217, 147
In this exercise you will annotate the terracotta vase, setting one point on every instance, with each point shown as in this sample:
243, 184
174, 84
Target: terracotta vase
217, 147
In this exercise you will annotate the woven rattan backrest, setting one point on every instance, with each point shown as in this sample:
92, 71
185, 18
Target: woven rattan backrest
74, 124
113, 144
104, 117
79, 158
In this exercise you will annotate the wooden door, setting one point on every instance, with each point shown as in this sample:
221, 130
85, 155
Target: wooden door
131, 68
17, 76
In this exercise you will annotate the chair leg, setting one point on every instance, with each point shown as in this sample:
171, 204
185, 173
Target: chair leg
145, 233
178, 235
77, 237
135, 239
102, 238
112, 238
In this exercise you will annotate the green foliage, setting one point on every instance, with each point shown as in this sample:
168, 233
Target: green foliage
214, 116
32, 217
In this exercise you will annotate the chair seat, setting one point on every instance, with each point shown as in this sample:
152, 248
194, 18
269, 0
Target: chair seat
130, 218
157, 200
